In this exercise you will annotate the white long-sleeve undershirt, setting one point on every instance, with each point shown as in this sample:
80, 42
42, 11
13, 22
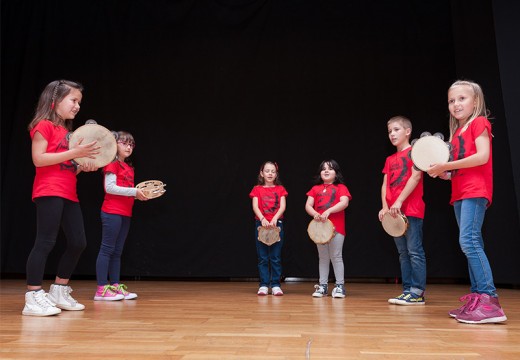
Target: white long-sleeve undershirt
112, 188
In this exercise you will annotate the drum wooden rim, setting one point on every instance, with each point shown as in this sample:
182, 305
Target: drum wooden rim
151, 188
321, 232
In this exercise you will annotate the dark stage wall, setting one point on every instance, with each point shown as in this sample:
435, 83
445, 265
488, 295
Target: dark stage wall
211, 89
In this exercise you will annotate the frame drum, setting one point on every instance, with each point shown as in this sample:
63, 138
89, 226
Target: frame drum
321, 232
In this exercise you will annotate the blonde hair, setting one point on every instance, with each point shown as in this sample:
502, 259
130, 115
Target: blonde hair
407, 124
480, 108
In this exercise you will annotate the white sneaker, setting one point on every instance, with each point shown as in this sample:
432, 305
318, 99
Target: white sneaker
60, 295
338, 291
320, 290
262, 291
277, 291
37, 304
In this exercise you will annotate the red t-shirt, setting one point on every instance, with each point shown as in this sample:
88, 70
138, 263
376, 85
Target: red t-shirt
475, 181
398, 169
59, 179
326, 196
118, 204
268, 199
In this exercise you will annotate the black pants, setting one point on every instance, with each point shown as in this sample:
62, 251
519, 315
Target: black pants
51, 212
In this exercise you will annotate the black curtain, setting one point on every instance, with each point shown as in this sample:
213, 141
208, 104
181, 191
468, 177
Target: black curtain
211, 89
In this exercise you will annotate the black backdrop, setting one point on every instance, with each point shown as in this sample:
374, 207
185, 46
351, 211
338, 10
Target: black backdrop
211, 89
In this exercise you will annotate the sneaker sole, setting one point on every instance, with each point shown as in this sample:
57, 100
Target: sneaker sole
484, 321
101, 298
405, 303
29, 313
130, 297
70, 308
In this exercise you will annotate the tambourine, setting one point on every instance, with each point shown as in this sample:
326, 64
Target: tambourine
395, 226
105, 140
429, 149
268, 235
152, 188
321, 232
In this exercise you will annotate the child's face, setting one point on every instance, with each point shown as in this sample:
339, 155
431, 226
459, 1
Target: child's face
328, 174
269, 173
397, 134
68, 108
124, 148
461, 102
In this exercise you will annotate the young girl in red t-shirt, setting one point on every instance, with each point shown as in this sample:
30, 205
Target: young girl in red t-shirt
471, 174
269, 202
116, 213
54, 193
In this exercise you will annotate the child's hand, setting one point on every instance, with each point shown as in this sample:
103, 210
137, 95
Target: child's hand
88, 150
140, 195
88, 166
382, 213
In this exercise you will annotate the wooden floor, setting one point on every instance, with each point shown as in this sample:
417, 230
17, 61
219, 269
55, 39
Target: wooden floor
227, 320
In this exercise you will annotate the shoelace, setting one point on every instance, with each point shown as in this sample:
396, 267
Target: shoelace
319, 289
473, 303
41, 299
122, 288
467, 299
66, 294
110, 289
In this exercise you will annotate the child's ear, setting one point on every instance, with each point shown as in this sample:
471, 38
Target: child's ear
408, 132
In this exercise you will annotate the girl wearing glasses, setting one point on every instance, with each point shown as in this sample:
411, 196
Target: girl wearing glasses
116, 213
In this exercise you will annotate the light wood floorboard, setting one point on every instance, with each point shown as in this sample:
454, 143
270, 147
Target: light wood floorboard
227, 320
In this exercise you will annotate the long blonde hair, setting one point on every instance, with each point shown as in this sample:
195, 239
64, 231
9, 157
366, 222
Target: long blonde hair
480, 108
50, 97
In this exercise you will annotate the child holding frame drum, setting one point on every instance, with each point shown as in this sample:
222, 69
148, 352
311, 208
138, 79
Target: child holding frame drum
401, 197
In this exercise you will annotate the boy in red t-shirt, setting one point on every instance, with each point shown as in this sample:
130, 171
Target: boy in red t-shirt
401, 194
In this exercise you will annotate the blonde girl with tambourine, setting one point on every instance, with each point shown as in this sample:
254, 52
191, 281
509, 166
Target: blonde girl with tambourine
327, 201
471, 175
54, 194
403, 210
116, 214
269, 202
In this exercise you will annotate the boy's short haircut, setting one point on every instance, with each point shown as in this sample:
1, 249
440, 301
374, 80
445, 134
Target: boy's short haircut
407, 124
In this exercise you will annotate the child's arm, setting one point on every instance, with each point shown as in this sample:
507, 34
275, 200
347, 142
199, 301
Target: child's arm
309, 208
411, 184
479, 158
384, 206
280, 211
341, 205
258, 212
41, 157
111, 186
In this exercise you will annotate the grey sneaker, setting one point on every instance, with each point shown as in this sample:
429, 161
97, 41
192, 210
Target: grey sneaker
320, 290
339, 291
60, 295
37, 304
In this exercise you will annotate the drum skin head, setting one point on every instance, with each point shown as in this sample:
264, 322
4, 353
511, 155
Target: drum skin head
321, 232
395, 227
429, 150
268, 235
105, 140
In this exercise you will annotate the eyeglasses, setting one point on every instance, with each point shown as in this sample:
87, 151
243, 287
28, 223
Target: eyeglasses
127, 143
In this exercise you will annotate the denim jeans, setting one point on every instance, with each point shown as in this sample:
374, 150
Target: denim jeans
470, 217
269, 258
108, 263
412, 257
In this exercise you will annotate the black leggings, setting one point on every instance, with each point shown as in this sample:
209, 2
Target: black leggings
51, 212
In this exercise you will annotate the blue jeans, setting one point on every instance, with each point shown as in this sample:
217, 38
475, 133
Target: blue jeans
470, 217
108, 264
269, 258
412, 257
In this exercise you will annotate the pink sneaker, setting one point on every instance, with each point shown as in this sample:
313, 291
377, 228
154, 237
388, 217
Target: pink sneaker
467, 298
481, 310
121, 289
107, 293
